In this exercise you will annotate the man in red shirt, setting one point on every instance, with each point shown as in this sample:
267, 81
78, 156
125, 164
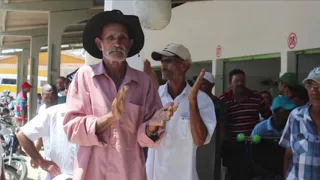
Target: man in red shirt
243, 105
243, 108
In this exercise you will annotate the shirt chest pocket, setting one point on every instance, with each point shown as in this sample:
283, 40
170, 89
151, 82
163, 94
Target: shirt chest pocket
129, 124
130, 118
306, 144
184, 126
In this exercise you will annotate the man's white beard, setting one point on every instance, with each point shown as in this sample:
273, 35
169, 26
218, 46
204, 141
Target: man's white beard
116, 60
108, 56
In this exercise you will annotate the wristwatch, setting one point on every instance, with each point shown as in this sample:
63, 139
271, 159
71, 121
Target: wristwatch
152, 135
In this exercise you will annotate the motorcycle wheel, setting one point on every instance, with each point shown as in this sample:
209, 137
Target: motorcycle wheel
11, 173
22, 170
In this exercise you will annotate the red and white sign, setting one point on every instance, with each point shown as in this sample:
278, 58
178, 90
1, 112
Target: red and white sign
292, 40
218, 51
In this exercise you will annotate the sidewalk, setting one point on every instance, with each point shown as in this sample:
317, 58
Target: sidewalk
34, 174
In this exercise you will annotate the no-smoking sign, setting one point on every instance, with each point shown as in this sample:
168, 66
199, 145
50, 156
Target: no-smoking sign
292, 40
218, 51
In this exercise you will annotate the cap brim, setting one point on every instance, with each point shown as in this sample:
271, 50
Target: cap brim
309, 79
157, 55
289, 106
286, 107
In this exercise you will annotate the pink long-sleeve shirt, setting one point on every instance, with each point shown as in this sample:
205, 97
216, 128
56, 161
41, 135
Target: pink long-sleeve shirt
116, 153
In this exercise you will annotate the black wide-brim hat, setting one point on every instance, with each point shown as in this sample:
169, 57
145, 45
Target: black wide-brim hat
95, 26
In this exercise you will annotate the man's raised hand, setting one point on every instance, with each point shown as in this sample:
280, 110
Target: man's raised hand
163, 115
118, 103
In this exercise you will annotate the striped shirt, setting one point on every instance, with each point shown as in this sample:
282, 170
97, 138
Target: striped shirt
301, 136
244, 115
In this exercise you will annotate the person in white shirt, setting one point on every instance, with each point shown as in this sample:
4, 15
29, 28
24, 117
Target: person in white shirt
60, 153
191, 126
39, 101
49, 98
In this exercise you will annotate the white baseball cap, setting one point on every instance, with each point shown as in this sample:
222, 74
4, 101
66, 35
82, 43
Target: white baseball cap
207, 76
313, 75
172, 49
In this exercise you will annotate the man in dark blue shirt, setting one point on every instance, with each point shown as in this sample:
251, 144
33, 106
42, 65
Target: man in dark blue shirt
273, 126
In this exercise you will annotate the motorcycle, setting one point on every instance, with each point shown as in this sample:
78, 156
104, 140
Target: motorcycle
5, 98
15, 165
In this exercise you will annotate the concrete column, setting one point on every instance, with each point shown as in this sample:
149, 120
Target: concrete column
35, 45
22, 74
25, 58
58, 21
125, 7
288, 62
90, 60
217, 71
19, 72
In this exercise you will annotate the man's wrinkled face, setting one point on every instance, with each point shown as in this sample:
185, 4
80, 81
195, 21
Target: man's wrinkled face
172, 67
60, 84
49, 98
206, 86
27, 90
313, 88
267, 99
238, 83
114, 42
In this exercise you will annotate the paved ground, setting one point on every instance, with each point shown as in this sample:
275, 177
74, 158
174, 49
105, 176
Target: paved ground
34, 174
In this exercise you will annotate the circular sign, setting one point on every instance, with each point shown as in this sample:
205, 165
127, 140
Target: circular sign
218, 51
292, 40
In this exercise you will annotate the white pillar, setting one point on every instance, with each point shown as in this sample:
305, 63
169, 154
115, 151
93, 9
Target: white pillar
126, 7
57, 23
35, 44
22, 72
90, 60
288, 62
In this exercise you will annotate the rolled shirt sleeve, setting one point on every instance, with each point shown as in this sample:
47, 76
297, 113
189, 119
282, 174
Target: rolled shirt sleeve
79, 123
38, 127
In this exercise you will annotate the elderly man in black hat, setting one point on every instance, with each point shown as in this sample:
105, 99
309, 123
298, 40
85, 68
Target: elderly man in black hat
112, 109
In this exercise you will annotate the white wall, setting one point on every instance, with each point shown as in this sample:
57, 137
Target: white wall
256, 71
240, 27
306, 62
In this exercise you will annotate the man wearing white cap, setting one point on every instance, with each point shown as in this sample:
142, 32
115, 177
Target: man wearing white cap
301, 135
207, 170
191, 126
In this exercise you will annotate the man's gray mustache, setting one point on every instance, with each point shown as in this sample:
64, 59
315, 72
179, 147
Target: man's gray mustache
116, 50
